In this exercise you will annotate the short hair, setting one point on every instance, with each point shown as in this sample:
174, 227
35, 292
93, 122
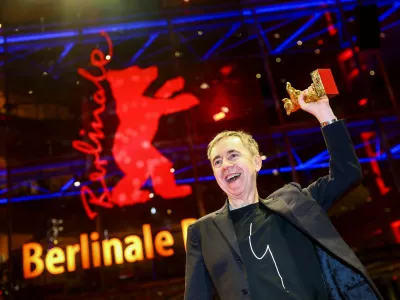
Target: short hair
248, 141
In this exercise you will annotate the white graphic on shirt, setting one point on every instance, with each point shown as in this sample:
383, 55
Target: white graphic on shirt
266, 250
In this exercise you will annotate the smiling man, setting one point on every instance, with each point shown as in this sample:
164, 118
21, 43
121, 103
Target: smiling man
284, 246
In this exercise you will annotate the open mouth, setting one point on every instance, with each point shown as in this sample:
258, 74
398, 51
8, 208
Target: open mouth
232, 177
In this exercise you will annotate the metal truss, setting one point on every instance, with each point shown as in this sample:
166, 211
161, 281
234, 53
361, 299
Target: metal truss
27, 176
307, 21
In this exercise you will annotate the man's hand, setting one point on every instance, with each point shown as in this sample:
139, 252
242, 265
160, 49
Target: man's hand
319, 109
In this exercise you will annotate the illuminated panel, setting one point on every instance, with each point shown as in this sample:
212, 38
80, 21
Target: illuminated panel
367, 136
396, 230
132, 150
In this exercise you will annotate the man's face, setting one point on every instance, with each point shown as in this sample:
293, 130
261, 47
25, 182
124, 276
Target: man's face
235, 167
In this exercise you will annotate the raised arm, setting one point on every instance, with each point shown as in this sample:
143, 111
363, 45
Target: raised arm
198, 284
344, 167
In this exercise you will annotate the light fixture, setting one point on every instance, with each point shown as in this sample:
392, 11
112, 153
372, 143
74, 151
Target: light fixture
263, 157
299, 43
172, 170
204, 86
151, 195
108, 57
278, 59
372, 72
363, 101
258, 75
317, 51
219, 116
277, 35
224, 109
153, 210
169, 211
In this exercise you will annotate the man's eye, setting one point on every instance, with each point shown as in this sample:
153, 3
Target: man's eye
217, 162
233, 155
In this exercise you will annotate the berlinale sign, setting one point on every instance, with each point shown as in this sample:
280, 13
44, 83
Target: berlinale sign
138, 123
57, 260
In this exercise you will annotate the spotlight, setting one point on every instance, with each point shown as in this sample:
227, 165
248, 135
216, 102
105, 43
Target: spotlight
204, 86
219, 116
224, 109
363, 101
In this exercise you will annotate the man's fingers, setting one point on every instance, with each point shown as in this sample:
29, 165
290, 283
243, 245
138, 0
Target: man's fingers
302, 95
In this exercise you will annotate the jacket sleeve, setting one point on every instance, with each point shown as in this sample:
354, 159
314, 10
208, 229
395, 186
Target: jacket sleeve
198, 284
344, 167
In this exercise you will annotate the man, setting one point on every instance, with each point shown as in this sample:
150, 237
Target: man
282, 247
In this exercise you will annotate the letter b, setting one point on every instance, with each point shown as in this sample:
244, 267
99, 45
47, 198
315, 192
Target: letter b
34, 258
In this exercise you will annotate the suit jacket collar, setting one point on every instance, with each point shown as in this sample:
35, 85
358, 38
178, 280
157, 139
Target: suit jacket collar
224, 222
303, 223
225, 225
274, 203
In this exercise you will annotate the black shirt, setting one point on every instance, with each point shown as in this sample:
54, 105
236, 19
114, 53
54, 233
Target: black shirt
280, 261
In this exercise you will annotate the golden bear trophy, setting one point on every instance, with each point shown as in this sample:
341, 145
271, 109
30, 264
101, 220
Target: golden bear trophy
323, 85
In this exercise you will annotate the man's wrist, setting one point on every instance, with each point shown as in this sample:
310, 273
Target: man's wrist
325, 115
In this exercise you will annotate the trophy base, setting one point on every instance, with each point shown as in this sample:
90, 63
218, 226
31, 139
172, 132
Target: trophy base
324, 83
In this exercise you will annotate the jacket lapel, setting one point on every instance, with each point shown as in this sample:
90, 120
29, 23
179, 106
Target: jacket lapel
325, 234
279, 206
225, 225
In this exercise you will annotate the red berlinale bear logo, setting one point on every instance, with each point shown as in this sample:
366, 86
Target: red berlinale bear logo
133, 151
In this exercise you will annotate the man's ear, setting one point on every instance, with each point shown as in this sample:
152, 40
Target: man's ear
257, 162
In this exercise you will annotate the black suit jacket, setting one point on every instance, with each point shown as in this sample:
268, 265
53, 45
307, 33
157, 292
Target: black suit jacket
213, 259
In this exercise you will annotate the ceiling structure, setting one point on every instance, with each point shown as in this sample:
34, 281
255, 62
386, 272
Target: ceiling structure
305, 21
